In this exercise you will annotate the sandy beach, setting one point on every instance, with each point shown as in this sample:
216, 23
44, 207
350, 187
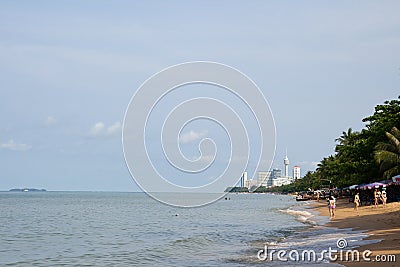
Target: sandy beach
381, 223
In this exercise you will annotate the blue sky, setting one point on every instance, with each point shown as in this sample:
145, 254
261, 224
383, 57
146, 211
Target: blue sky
69, 68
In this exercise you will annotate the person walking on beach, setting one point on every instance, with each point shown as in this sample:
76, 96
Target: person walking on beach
384, 198
356, 201
379, 196
376, 199
332, 207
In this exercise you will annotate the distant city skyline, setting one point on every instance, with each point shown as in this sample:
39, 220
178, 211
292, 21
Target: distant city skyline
270, 178
69, 71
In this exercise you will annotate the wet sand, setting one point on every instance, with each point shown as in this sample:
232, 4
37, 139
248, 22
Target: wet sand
381, 223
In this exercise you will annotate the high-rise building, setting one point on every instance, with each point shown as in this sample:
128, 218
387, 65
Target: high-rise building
286, 162
296, 172
243, 180
276, 173
264, 178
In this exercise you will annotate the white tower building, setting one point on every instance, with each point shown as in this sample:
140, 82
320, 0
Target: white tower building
286, 162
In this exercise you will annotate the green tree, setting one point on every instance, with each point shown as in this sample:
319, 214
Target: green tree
346, 138
385, 117
387, 155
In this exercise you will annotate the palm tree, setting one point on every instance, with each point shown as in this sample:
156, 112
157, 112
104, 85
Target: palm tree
345, 138
387, 155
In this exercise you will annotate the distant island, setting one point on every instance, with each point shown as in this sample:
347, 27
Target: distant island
27, 190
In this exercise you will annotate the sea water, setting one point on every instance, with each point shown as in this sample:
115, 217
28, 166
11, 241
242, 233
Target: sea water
132, 229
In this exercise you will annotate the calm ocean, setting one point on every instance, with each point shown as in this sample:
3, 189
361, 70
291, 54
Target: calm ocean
132, 229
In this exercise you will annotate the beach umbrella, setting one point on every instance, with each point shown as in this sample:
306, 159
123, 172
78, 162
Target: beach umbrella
385, 182
352, 187
374, 185
361, 186
396, 178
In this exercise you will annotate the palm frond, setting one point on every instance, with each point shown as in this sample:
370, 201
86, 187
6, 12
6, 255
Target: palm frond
388, 156
385, 146
392, 172
394, 141
395, 132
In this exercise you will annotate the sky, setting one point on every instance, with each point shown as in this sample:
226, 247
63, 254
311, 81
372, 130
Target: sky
68, 70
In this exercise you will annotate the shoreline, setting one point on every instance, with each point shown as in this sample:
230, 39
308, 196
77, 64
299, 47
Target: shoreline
381, 224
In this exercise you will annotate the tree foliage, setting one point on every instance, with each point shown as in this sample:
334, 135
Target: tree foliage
387, 155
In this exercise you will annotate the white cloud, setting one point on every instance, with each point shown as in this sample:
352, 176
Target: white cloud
11, 145
50, 120
97, 129
191, 136
114, 129
101, 130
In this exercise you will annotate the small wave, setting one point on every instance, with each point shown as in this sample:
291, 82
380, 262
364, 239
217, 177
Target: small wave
271, 241
322, 237
301, 215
